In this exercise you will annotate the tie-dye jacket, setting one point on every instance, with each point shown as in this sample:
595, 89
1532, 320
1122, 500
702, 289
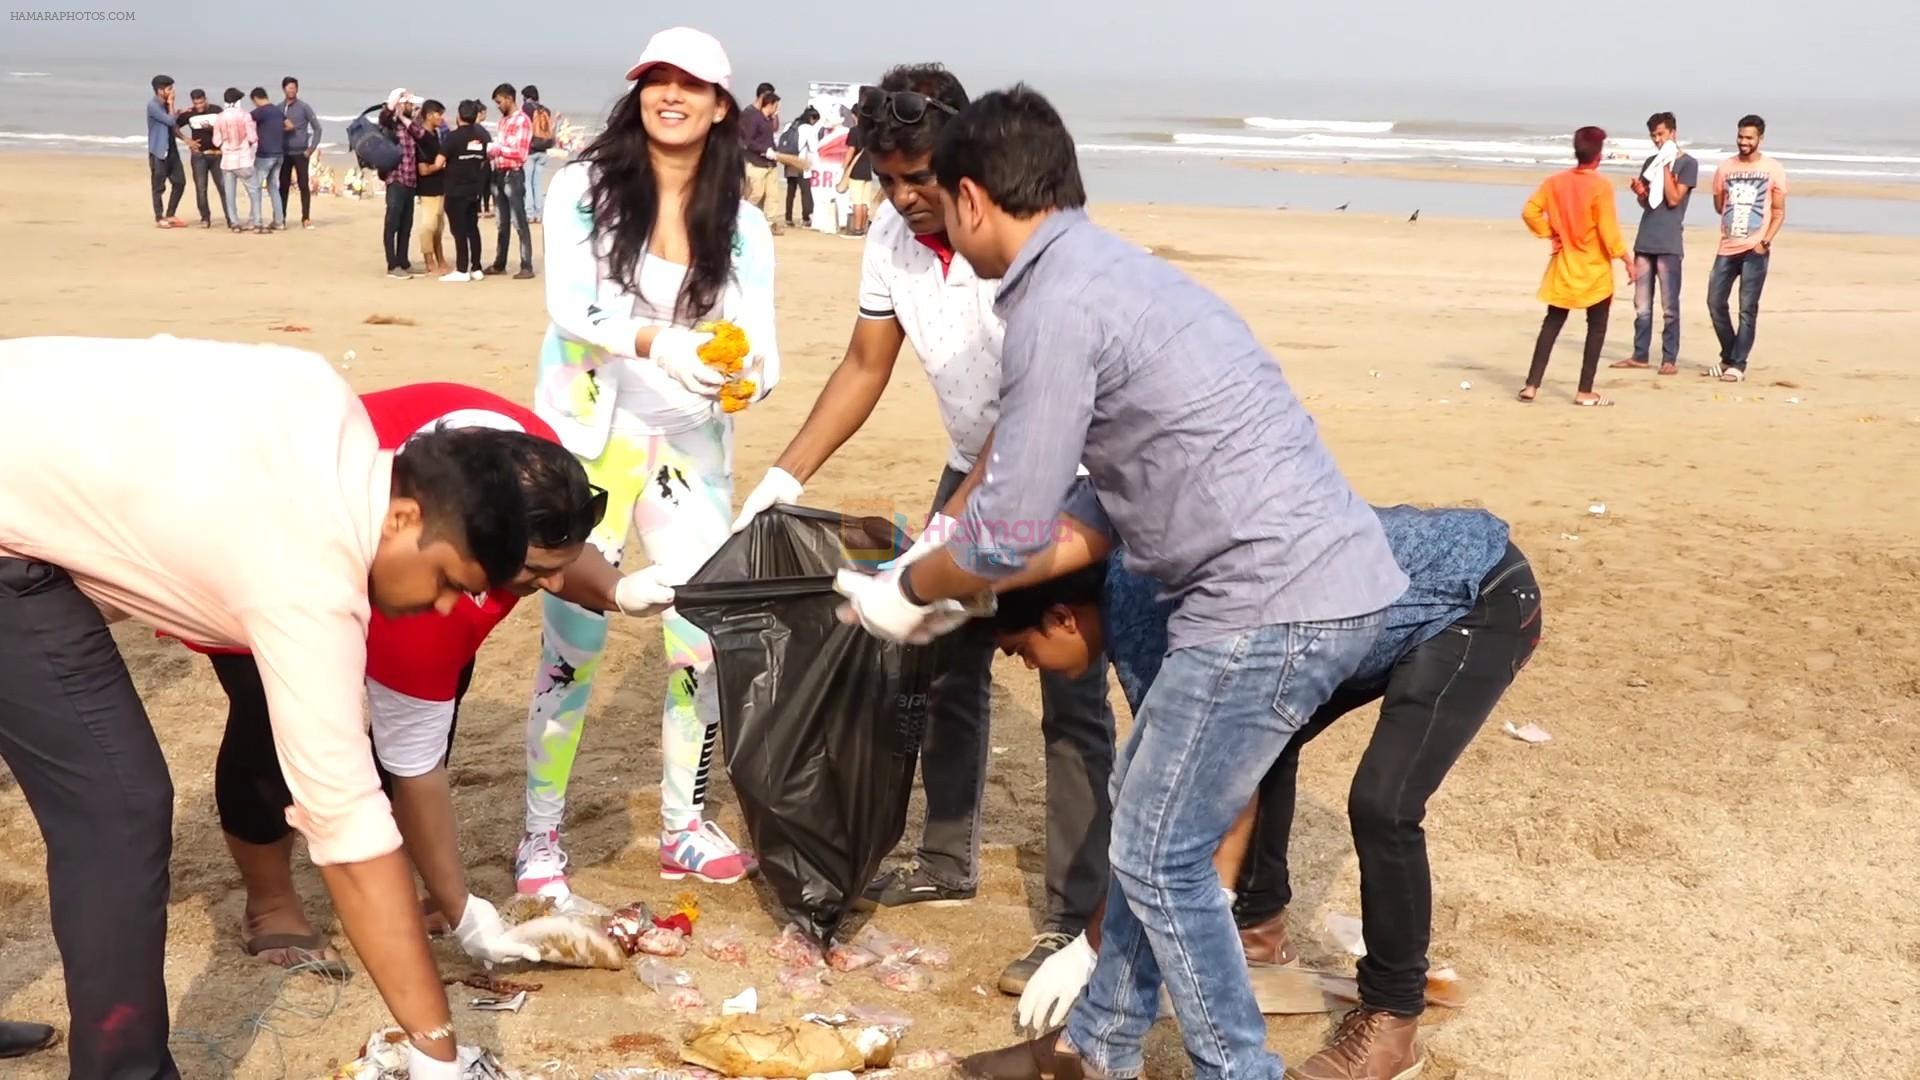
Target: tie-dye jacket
593, 320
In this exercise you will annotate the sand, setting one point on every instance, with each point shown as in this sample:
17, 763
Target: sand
1708, 873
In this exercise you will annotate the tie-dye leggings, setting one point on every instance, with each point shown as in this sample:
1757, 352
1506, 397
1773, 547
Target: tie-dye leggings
676, 491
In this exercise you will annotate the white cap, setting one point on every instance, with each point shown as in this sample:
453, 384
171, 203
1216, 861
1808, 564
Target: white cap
398, 95
695, 52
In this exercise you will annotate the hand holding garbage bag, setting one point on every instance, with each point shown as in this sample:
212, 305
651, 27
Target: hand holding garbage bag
877, 604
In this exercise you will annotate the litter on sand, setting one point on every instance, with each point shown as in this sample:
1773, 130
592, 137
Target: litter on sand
725, 949
510, 1004
900, 976
755, 1046
845, 957
1598, 509
1527, 733
793, 946
660, 976
744, 1003
803, 984
384, 1057
1347, 933
925, 1060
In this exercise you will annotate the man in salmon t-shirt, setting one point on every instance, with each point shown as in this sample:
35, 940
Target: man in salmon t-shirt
1750, 195
230, 495
418, 669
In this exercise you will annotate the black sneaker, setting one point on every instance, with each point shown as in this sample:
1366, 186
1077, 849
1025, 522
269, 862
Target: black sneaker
525, 274
909, 883
1014, 979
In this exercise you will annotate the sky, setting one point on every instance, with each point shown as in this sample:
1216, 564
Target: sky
1838, 49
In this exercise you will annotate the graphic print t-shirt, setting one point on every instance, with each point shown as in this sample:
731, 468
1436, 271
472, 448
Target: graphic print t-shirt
1749, 188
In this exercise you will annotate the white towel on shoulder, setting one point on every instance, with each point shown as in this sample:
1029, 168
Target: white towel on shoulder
1665, 157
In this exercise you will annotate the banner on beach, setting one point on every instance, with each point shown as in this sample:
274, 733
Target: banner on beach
834, 101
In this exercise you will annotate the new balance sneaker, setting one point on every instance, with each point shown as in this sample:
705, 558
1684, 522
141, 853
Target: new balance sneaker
702, 851
1014, 979
540, 866
910, 883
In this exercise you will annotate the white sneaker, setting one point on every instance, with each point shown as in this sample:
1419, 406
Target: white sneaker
476, 276
540, 866
702, 851
453, 275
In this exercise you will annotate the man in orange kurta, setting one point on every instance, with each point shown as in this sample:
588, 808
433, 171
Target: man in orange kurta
1575, 210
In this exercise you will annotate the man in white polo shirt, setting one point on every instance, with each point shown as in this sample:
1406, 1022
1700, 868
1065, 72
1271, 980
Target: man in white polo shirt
914, 287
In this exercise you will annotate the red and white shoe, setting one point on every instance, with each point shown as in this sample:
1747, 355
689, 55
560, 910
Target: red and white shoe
704, 852
540, 866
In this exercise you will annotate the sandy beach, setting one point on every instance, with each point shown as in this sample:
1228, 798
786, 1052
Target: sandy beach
1709, 872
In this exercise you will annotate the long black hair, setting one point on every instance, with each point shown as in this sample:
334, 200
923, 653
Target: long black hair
626, 198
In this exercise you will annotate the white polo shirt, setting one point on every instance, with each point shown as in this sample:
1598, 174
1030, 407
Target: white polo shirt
949, 320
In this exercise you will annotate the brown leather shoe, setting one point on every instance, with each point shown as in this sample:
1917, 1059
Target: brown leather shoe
1368, 1045
1267, 945
1035, 1060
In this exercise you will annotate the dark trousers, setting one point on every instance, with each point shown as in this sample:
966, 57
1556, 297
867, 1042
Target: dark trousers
248, 787
463, 219
510, 192
163, 171
205, 168
78, 741
1432, 704
399, 225
1751, 268
1663, 271
800, 184
1550, 332
1077, 724
297, 163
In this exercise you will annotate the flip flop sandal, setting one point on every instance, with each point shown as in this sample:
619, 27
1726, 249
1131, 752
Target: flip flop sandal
1630, 365
1594, 403
1712, 371
309, 952
1732, 375
1669, 369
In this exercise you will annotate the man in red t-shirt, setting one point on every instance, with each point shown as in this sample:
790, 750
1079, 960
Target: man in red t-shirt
418, 668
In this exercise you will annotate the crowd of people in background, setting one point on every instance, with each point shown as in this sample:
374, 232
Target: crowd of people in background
1575, 210
253, 145
508, 166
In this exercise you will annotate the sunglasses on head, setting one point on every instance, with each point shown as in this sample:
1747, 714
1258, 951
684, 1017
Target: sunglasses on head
906, 106
579, 529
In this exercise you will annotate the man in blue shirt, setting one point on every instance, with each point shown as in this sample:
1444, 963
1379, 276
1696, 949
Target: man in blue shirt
271, 119
1215, 477
163, 154
1449, 648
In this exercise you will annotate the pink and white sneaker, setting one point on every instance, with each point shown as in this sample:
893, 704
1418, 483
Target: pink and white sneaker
540, 866
702, 851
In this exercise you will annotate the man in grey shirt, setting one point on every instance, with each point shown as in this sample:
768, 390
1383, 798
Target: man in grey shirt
303, 141
1658, 248
1216, 480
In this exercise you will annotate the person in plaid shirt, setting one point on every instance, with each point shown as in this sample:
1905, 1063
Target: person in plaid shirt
402, 181
509, 155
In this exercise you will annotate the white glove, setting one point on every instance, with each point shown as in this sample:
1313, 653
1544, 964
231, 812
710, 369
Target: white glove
777, 488
1051, 992
422, 1067
877, 604
480, 933
940, 528
677, 350
641, 594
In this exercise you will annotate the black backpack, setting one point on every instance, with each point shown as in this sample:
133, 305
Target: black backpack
376, 147
790, 140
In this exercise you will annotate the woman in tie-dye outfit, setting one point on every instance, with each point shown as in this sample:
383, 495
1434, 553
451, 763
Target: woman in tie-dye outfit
646, 237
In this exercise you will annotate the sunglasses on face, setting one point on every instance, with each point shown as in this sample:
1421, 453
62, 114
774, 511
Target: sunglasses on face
906, 106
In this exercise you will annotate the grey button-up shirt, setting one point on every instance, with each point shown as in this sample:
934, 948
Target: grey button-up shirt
1210, 470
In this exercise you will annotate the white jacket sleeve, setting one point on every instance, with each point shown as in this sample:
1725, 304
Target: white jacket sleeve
575, 301
753, 271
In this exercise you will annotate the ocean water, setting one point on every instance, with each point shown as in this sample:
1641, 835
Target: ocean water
1199, 144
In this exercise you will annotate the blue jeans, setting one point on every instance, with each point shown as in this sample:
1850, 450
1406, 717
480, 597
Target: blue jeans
266, 174
1217, 717
1751, 268
536, 198
1666, 270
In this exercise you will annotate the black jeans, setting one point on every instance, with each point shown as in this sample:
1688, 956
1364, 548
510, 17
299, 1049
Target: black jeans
399, 226
1432, 704
297, 162
205, 168
1550, 332
800, 183
510, 192
1077, 724
249, 789
1751, 268
162, 172
78, 741
463, 218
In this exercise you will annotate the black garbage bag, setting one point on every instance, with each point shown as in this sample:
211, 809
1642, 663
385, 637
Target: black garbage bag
822, 721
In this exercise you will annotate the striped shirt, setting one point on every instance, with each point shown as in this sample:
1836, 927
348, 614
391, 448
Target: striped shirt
1212, 472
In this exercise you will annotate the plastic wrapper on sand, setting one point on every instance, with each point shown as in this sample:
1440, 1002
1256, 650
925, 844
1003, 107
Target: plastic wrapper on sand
756, 1046
562, 939
822, 720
